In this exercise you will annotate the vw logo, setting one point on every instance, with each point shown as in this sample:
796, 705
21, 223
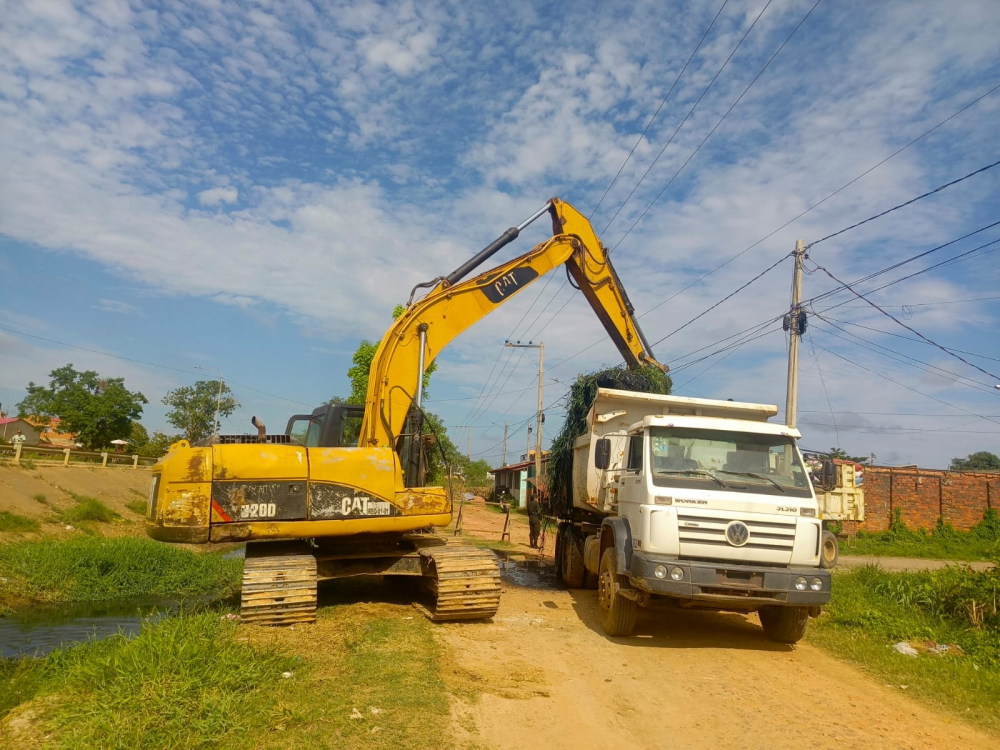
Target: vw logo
737, 533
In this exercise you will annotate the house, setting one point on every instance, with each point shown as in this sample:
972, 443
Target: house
55, 439
515, 478
10, 425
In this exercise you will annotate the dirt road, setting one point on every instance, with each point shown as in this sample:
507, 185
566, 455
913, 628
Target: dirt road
552, 679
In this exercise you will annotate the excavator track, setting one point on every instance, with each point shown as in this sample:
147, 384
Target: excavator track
464, 581
279, 585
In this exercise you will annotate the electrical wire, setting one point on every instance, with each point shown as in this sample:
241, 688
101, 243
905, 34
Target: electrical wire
688, 115
903, 205
903, 385
908, 328
712, 131
901, 336
664, 101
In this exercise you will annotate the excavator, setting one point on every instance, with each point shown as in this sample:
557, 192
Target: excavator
341, 493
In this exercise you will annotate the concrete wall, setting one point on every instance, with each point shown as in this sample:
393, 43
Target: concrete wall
924, 495
32, 433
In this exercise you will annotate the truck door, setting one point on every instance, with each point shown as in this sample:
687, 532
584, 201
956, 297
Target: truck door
632, 492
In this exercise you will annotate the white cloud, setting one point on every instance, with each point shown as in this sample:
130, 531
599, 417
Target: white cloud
215, 196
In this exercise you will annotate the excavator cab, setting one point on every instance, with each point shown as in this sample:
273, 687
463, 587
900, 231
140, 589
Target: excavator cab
335, 425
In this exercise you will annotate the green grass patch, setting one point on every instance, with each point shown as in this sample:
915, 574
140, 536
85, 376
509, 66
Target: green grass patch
88, 509
17, 523
40, 498
98, 569
872, 610
982, 542
138, 507
490, 543
27, 463
183, 682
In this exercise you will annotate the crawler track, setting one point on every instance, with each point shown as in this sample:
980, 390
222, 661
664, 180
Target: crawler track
279, 585
464, 581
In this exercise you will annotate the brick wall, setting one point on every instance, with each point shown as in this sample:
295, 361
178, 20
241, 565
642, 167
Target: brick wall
924, 495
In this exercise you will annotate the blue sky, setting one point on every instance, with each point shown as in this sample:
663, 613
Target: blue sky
253, 186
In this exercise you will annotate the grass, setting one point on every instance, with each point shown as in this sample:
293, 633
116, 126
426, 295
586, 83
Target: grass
138, 507
98, 569
183, 682
88, 509
17, 523
198, 681
40, 498
982, 542
872, 610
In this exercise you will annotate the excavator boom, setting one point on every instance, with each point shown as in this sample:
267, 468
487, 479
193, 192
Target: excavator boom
433, 321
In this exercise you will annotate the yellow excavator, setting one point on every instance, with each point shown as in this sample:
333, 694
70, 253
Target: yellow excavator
341, 492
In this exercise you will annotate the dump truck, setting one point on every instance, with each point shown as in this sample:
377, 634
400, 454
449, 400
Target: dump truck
342, 491
693, 503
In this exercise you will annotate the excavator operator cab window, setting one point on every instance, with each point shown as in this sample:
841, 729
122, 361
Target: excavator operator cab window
329, 426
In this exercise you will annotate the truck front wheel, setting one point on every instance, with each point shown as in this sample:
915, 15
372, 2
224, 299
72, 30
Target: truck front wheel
784, 624
617, 612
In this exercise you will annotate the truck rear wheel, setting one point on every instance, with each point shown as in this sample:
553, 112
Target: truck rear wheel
573, 570
618, 613
784, 624
829, 551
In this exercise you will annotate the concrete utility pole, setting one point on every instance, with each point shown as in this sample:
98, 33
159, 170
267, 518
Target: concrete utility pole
540, 346
503, 459
795, 327
468, 447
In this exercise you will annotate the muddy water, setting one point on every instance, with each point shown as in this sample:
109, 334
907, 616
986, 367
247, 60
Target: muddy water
527, 573
41, 630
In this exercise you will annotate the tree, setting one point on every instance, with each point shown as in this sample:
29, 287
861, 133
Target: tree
842, 455
96, 408
980, 461
194, 407
137, 435
362, 359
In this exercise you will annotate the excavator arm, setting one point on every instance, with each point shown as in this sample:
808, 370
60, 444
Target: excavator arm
453, 305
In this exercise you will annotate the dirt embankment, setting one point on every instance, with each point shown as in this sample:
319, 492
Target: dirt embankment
42, 492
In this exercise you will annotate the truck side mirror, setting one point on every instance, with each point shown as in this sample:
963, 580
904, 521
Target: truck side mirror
602, 453
829, 474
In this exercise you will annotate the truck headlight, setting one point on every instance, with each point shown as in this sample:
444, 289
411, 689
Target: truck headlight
660, 572
816, 584
801, 583
676, 573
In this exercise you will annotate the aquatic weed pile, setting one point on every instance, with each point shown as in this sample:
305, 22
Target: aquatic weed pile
582, 393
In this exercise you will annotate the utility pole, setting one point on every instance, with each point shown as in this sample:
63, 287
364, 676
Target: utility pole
468, 447
503, 459
795, 324
540, 346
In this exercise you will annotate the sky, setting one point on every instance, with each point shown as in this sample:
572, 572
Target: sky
252, 187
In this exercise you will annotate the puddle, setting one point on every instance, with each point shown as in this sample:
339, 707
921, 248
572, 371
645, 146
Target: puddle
41, 630
531, 574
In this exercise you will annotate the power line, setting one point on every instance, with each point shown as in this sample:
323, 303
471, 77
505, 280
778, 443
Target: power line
721, 120
816, 205
664, 101
914, 362
934, 304
903, 385
908, 328
900, 336
690, 112
903, 205
811, 208
724, 299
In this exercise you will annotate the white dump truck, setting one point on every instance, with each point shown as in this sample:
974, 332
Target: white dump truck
687, 502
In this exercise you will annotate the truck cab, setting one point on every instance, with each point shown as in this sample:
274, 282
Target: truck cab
696, 503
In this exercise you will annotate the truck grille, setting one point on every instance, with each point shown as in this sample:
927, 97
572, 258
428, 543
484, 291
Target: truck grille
710, 531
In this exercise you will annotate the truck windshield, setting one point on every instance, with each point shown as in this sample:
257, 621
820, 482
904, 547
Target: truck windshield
765, 464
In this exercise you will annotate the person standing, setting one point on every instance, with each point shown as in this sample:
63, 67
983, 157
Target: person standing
534, 519
19, 438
